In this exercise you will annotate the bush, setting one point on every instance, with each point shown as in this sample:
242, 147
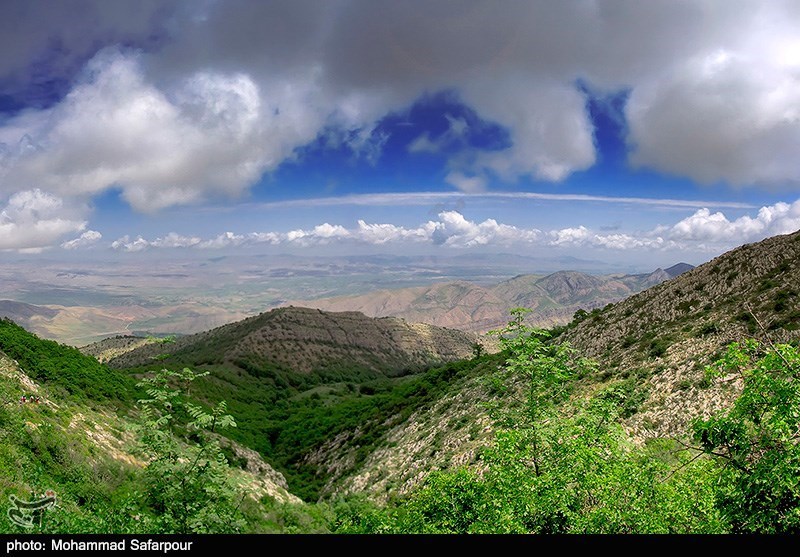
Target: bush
755, 442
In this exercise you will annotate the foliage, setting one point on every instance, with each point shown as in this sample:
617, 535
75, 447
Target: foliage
560, 462
187, 485
547, 371
555, 467
63, 366
297, 427
756, 440
39, 452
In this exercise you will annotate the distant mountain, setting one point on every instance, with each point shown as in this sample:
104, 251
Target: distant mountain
295, 344
472, 307
23, 313
653, 345
678, 269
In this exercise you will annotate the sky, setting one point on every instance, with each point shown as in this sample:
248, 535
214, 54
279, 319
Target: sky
634, 132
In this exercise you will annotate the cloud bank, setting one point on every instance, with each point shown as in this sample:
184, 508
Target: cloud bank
702, 231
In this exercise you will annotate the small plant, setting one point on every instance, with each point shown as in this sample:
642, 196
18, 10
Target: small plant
708, 329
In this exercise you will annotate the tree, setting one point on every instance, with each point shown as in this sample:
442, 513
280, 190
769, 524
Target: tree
756, 440
187, 478
556, 465
545, 372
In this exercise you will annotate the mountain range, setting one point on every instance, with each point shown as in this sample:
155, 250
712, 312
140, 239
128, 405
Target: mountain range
553, 298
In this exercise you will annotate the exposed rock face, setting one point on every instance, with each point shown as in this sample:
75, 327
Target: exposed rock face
110, 436
110, 348
257, 477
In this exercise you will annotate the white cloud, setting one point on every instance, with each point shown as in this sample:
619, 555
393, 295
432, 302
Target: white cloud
424, 144
234, 88
628, 242
457, 129
453, 230
173, 240
715, 228
379, 234
701, 231
727, 115
126, 244
34, 220
550, 130
467, 184
210, 134
583, 237
330, 231
569, 236
427, 198
224, 240
87, 239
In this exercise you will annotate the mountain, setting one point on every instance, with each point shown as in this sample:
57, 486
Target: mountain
24, 313
678, 269
652, 348
668, 333
293, 376
341, 404
472, 307
76, 435
294, 343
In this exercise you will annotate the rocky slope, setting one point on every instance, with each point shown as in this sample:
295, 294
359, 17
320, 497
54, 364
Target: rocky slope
655, 344
97, 438
671, 331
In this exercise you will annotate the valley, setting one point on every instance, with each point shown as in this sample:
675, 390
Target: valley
332, 405
361, 267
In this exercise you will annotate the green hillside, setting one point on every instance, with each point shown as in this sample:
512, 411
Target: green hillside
64, 367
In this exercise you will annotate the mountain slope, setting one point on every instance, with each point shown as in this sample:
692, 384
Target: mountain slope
275, 369
671, 331
296, 343
84, 448
652, 348
471, 307
22, 313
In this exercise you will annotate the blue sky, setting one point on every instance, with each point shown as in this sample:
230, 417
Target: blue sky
638, 133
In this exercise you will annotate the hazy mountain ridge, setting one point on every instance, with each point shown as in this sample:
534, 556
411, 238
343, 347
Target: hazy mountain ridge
658, 341
554, 298
100, 298
25, 314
